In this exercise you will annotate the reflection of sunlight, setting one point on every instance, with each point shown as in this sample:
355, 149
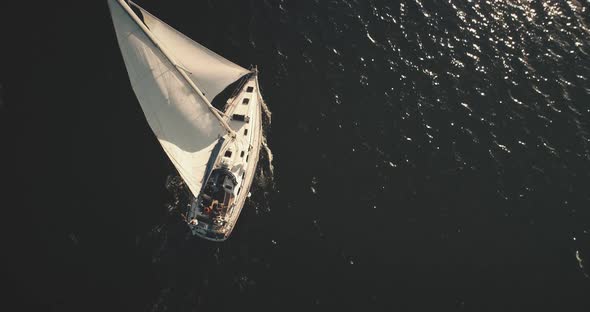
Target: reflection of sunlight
510, 10
575, 6
551, 9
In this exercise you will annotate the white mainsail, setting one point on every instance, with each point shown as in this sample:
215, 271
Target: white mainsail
208, 70
186, 125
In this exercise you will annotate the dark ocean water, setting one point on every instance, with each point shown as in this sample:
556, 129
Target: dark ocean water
428, 156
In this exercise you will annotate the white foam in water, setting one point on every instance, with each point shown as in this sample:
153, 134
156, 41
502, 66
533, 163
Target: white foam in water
581, 263
267, 112
269, 154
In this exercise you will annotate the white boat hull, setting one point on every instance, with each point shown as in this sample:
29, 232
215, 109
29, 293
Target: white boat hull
250, 130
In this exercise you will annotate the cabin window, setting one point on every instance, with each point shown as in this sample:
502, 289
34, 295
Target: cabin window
246, 101
242, 154
250, 89
227, 154
241, 117
247, 157
245, 131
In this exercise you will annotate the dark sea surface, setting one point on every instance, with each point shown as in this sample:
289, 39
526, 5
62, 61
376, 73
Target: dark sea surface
428, 156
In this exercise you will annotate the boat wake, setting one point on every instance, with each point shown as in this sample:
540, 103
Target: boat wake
267, 160
264, 184
269, 156
266, 113
581, 264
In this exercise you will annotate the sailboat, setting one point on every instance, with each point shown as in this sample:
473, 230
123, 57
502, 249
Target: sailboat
175, 80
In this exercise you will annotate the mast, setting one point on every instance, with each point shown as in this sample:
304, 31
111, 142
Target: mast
179, 68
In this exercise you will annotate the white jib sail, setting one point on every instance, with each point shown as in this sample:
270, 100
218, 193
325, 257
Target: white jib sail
209, 71
181, 120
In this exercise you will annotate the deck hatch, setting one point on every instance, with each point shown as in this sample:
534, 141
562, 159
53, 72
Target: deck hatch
241, 117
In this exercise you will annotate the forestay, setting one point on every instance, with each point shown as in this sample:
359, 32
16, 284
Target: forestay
209, 71
181, 119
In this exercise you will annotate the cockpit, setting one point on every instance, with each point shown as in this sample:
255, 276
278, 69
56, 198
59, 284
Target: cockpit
218, 194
